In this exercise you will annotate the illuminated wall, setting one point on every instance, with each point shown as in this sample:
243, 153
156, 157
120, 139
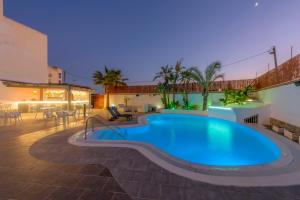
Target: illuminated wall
80, 95
142, 99
284, 102
23, 56
18, 94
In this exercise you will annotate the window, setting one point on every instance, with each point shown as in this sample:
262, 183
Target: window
59, 75
49, 75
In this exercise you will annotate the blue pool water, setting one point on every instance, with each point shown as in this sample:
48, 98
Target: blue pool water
199, 139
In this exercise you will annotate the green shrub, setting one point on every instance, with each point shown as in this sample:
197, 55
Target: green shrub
236, 96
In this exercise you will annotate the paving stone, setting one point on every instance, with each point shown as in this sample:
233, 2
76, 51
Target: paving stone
67, 180
112, 186
92, 169
105, 173
10, 190
121, 196
131, 187
36, 191
92, 182
151, 191
142, 176
96, 195
63, 193
170, 193
125, 174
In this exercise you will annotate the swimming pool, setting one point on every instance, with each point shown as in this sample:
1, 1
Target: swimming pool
199, 140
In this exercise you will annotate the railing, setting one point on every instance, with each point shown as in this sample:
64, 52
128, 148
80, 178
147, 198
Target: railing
115, 129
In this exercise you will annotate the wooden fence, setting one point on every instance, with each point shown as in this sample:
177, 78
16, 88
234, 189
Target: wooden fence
98, 101
285, 73
217, 86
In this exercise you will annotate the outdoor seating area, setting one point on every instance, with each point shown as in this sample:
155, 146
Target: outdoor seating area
46, 112
9, 115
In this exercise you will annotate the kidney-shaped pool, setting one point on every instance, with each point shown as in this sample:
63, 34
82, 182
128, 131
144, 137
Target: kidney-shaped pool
199, 139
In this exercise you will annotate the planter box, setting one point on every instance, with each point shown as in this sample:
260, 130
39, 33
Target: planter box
291, 135
278, 129
180, 111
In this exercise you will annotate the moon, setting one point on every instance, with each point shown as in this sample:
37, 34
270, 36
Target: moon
256, 4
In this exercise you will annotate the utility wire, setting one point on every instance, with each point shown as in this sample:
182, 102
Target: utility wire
226, 65
245, 59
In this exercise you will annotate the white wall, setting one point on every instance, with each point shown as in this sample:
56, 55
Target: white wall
23, 57
285, 103
142, 99
23, 53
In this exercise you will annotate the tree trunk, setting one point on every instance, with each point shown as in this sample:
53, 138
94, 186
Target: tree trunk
187, 99
165, 100
205, 97
174, 97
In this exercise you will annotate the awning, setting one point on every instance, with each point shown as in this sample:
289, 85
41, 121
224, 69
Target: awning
18, 84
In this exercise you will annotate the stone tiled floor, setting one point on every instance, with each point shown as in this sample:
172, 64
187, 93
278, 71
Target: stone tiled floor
23, 176
42, 165
141, 178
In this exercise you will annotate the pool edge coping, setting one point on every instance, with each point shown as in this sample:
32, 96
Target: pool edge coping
214, 174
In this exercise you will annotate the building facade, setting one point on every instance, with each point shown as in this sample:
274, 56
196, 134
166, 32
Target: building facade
55, 75
25, 76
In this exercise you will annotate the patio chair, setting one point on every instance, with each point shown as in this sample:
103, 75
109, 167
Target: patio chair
14, 115
49, 115
3, 116
116, 114
73, 114
62, 115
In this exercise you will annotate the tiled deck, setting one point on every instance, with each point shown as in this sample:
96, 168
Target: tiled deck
42, 165
26, 177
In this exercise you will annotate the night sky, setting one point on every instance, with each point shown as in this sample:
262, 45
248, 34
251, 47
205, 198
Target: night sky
139, 36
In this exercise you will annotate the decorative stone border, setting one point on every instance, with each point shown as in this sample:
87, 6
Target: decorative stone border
278, 173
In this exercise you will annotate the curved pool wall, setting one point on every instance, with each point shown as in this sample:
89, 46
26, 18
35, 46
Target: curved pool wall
199, 140
282, 172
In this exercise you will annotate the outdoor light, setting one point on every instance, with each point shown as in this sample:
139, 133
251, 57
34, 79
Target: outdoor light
220, 108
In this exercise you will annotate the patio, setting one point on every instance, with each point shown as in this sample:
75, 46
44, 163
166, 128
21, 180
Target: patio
43, 165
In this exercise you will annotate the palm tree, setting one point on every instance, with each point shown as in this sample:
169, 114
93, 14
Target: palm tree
110, 78
175, 76
186, 77
161, 87
205, 80
165, 76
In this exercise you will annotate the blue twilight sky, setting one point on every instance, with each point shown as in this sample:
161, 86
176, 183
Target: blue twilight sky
139, 36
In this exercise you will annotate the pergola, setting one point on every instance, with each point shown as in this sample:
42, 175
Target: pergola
68, 88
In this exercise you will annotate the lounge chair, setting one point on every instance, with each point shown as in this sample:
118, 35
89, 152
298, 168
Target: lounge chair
116, 114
